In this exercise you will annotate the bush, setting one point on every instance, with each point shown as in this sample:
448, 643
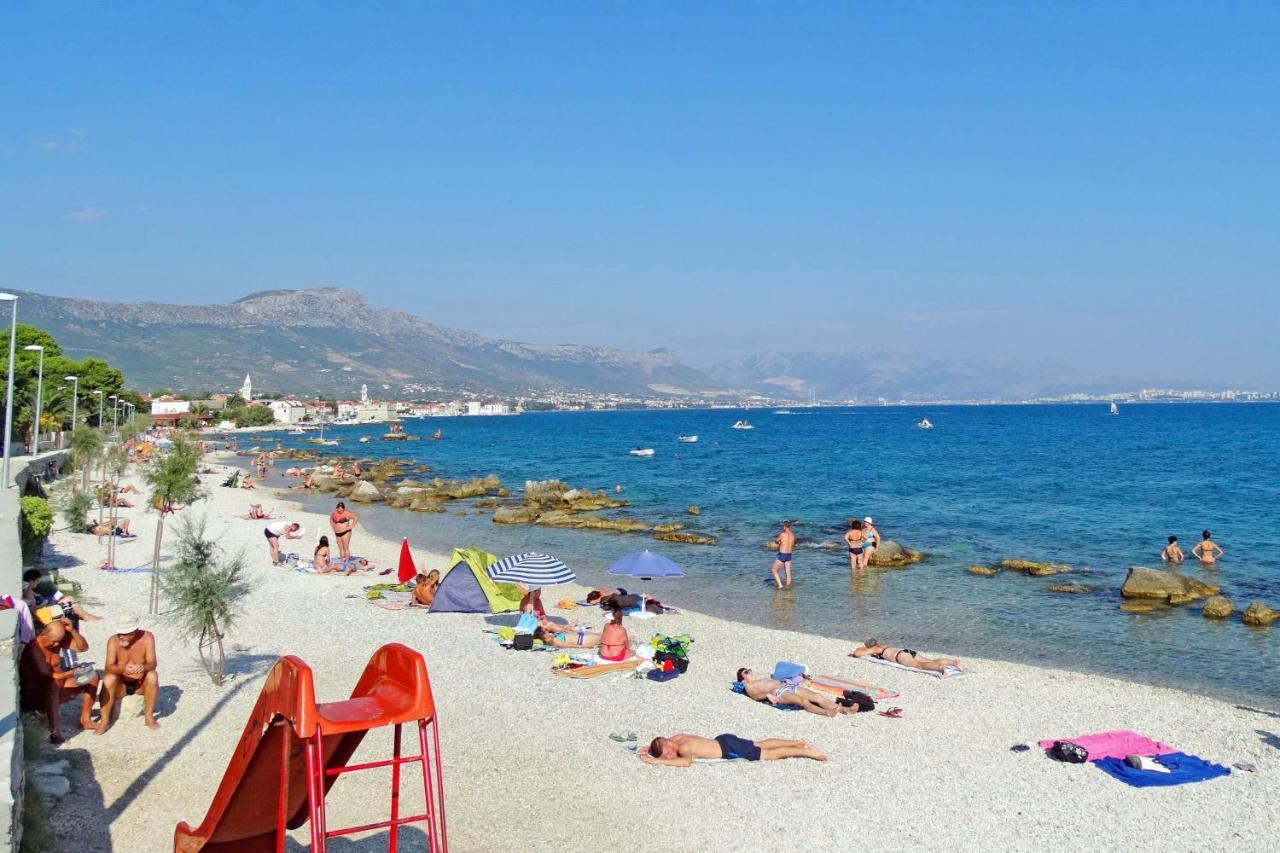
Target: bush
204, 588
75, 509
34, 525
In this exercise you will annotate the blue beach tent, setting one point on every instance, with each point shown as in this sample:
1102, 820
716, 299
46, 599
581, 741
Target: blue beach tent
465, 588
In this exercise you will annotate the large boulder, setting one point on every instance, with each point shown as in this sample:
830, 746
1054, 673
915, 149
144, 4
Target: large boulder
1216, 607
1260, 615
891, 555
1168, 587
1039, 570
514, 515
427, 502
365, 492
693, 510
621, 525
544, 491
469, 489
983, 571
687, 538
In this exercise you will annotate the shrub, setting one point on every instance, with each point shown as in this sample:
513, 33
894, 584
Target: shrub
204, 588
34, 525
75, 510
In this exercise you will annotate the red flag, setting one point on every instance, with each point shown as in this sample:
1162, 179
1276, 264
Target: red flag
407, 569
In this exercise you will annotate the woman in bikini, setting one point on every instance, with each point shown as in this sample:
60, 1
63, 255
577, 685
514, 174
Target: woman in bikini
905, 657
853, 539
342, 522
1205, 549
424, 590
870, 541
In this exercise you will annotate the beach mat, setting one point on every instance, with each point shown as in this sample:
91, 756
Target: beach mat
1183, 769
598, 669
1115, 744
951, 672
837, 686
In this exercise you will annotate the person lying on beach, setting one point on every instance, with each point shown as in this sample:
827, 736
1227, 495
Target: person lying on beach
305, 484
424, 588
620, 598
43, 683
130, 667
1205, 548
116, 500
293, 472
121, 528
596, 595
566, 636
257, 512
777, 692
1172, 552
905, 657
129, 489
683, 750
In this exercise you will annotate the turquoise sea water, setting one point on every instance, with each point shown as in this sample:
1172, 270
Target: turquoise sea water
1063, 483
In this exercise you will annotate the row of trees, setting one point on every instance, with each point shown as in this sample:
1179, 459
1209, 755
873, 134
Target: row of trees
93, 374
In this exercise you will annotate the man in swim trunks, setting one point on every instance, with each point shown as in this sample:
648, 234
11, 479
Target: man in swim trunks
786, 545
905, 657
44, 683
130, 667
683, 750
777, 692
1205, 548
1172, 552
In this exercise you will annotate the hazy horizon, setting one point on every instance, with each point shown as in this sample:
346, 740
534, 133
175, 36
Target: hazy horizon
1091, 187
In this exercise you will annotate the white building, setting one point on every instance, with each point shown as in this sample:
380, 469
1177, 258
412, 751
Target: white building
246, 390
287, 411
475, 407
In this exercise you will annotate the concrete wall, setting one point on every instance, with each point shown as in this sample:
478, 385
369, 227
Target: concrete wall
11, 787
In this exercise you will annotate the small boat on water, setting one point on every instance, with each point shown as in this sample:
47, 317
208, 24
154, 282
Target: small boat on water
297, 431
437, 435
743, 425
925, 423
783, 412
687, 439
641, 451
1115, 410
365, 439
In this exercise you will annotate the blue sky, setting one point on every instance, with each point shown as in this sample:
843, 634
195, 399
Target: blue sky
1091, 184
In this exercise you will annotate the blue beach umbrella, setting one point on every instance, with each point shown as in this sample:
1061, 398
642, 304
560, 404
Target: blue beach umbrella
645, 565
533, 570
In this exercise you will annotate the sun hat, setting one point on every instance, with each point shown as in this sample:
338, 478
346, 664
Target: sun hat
868, 520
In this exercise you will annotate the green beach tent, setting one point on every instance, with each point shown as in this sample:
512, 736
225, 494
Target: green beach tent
465, 588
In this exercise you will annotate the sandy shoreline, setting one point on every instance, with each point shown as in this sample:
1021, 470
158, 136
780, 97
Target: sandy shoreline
529, 764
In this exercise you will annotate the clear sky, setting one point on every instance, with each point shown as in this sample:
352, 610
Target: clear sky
1097, 184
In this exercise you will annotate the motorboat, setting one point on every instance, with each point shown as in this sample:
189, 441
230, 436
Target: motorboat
641, 451
297, 431
1115, 410
365, 439
925, 423
742, 425
687, 439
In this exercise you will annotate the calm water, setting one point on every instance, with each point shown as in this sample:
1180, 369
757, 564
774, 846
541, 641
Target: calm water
1064, 483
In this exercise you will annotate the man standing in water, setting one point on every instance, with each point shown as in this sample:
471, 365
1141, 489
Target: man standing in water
786, 544
1205, 549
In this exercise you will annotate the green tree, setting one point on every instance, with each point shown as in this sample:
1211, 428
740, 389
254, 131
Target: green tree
75, 510
204, 588
173, 481
86, 447
249, 416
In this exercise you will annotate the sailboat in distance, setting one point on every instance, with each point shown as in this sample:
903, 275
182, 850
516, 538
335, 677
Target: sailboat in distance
1115, 410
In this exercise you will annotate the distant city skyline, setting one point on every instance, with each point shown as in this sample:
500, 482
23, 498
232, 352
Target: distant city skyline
1092, 186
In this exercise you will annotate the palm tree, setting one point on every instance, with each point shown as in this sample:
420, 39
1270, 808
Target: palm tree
173, 481
86, 446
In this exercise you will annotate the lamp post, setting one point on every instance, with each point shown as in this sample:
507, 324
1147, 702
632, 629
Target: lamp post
8, 399
75, 395
39, 393
115, 408
99, 394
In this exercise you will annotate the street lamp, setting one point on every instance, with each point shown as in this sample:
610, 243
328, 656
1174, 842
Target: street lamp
8, 399
99, 393
115, 407
75, 394
39, 392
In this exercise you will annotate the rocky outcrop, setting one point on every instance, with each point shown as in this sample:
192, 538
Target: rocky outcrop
426, 502
891, 555
983, 571
385, 469
1039, 570
693, 510
687, 538
667, 528
544, 491
365, 492
1167, 587
1072, 588
1142, 606
1260, 615
1217, 607
515, 515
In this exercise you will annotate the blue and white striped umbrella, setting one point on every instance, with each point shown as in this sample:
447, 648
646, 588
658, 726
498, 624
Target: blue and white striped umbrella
531, 570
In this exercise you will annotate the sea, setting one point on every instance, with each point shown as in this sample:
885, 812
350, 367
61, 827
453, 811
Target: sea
1069, 484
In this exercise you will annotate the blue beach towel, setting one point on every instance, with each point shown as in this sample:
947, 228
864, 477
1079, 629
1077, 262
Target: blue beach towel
1183, 769
737, 687
787, 671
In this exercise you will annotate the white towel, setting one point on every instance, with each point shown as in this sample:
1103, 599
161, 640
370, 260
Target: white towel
951, 670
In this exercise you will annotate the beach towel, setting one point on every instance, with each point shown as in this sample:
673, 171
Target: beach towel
837, 686
950, 673
598, 669
635, 750
1115, 744
1183, 769
739, 688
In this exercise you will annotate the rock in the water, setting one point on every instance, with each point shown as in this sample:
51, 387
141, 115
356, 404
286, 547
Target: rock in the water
544, 491
365, 492
1039, 570
667, 528
984, 571
694, 510
427, 502
771, 545
621, 525
687, 538
1072, 588
491, 482
1158, 585
1260, 615
891, 555
1141, 606
52, 785
514, 515
1216, 607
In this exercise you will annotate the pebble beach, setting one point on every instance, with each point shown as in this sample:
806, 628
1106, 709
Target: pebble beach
528, 758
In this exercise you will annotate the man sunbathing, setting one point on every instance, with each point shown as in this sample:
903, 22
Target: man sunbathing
130, 667
905, 657
777, 692
683, 750
120, 529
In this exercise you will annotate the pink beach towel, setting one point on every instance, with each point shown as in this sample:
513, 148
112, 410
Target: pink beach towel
1116, 744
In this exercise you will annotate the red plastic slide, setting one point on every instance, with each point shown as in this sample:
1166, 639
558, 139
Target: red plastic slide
293, 749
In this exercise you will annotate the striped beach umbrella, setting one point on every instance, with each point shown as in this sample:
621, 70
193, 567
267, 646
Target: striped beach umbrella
533, 570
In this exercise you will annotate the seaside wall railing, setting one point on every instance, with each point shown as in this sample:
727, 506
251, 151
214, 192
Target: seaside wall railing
11, 789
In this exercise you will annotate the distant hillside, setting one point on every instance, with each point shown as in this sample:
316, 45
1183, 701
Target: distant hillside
330, 341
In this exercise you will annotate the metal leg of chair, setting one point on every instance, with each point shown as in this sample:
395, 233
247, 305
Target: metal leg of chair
394, 835
435, 734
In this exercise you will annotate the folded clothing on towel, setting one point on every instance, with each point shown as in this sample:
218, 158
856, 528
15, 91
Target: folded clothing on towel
1115, 744
1182, 769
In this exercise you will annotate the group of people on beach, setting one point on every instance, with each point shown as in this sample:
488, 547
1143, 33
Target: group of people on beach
862, 539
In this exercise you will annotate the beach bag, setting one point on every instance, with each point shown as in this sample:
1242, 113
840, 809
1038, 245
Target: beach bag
522, 642
679, 664
1071, 753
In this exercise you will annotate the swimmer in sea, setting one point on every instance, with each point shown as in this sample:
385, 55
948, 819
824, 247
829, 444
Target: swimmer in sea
1207, 551
1172, 552
786, 545
853, 539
